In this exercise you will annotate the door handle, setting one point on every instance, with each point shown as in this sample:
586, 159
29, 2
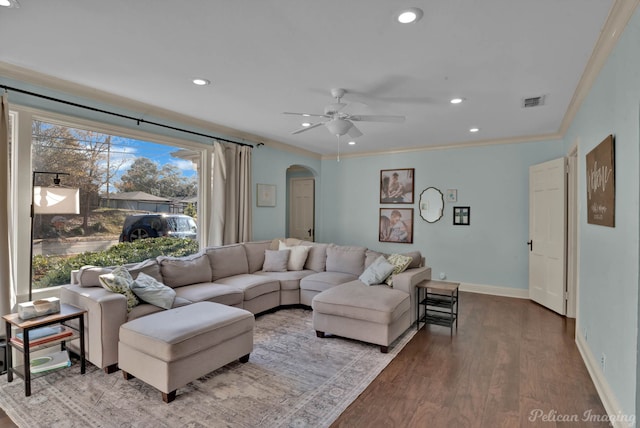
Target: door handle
530, 244
309, 232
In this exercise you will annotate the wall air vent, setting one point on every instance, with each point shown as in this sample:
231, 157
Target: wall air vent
533, 101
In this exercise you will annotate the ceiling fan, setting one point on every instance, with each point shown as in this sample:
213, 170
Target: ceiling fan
338, 121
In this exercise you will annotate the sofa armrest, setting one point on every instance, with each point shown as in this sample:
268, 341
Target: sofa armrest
407, 281
106, 312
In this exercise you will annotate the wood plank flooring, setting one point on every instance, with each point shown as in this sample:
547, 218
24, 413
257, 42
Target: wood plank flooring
508, 358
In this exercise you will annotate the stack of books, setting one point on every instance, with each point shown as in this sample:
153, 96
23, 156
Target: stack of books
43, 335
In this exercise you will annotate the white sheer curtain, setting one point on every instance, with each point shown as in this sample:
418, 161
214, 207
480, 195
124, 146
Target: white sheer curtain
7, 298
231, 195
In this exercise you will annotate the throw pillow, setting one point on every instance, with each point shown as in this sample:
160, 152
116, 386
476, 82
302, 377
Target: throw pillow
275, 260
119, 281
400, 264
298, 255
377, 271
150, 290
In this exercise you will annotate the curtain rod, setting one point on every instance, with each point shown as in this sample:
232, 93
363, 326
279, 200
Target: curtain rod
124, 116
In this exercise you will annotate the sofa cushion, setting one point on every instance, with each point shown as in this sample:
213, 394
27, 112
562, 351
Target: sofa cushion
377, 271
276, 260
150, 290
179, 271
252, 285
345, 259
371, 256
119, 281
227, 261
144, 309
323, 280
355, 300
209, 292
317, 257
149, 267
298, 255
289, 280
255, 254
416, 259
88, 276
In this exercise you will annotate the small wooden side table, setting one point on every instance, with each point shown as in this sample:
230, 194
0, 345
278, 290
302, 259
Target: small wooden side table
67, 313
440, 303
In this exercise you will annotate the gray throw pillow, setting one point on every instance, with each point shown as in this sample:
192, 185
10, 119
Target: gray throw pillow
153, 291
276, 260
377, 271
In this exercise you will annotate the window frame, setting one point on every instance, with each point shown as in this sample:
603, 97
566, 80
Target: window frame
21, 166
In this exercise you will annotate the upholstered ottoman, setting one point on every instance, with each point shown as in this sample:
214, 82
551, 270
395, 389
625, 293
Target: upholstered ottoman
375, 314
169, 349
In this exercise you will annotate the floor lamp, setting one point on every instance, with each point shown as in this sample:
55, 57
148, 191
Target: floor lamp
50, 200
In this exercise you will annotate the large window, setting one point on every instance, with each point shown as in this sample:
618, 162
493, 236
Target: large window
118, 177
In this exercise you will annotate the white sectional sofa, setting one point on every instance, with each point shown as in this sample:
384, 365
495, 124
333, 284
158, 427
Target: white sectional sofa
233, 275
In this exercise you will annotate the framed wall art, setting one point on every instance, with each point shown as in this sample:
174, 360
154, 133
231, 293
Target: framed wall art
266, 195
461, 216
396, 186
601, 184
396, 225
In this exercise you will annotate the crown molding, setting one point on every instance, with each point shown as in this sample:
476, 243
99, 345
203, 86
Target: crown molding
461, 145
66, 87
619, 16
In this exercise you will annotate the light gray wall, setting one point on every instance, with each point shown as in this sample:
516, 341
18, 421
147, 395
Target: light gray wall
492, 180
608, 264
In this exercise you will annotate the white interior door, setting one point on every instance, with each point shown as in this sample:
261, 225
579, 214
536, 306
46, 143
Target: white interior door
301, 202
547, 234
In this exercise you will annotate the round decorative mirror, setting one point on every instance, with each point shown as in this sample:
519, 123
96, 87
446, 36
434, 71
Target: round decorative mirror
431, 204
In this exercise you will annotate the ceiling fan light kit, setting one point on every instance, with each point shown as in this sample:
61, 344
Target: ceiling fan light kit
339, 122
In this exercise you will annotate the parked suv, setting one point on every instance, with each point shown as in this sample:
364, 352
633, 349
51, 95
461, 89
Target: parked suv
140, 226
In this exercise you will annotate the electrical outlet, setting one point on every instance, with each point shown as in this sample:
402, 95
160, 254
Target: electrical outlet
443, 275
603, 361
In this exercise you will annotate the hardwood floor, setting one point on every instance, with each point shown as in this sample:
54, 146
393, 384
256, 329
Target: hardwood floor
508, 358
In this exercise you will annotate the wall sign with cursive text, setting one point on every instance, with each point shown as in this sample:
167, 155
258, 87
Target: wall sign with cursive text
601, 184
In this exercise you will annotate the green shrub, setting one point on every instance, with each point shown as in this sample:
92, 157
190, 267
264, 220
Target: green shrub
51, 271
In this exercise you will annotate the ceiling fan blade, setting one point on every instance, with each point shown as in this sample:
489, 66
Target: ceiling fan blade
305, 114
354, 132
306, 128
377, 118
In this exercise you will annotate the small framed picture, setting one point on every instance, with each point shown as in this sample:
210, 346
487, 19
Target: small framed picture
396, 186
462, 216
266, 195
452, 195
396, 225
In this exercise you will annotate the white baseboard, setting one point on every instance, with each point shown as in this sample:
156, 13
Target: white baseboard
495, 290
616, 416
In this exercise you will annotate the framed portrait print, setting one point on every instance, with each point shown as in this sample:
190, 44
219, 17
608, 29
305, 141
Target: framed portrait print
266, 195
396, 225
396, 186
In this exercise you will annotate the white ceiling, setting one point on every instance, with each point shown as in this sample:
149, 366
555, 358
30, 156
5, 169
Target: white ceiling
270, 56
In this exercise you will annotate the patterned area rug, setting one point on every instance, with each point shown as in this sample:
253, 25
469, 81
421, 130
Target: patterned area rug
293, 379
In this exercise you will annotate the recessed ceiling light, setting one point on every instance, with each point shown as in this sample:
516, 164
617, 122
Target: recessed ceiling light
474, 129
201, 82
9, 3
305, 124
410, 15
352, 143
456, 100
306, 114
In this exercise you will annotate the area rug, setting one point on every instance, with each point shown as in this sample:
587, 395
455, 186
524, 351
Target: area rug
293, 379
